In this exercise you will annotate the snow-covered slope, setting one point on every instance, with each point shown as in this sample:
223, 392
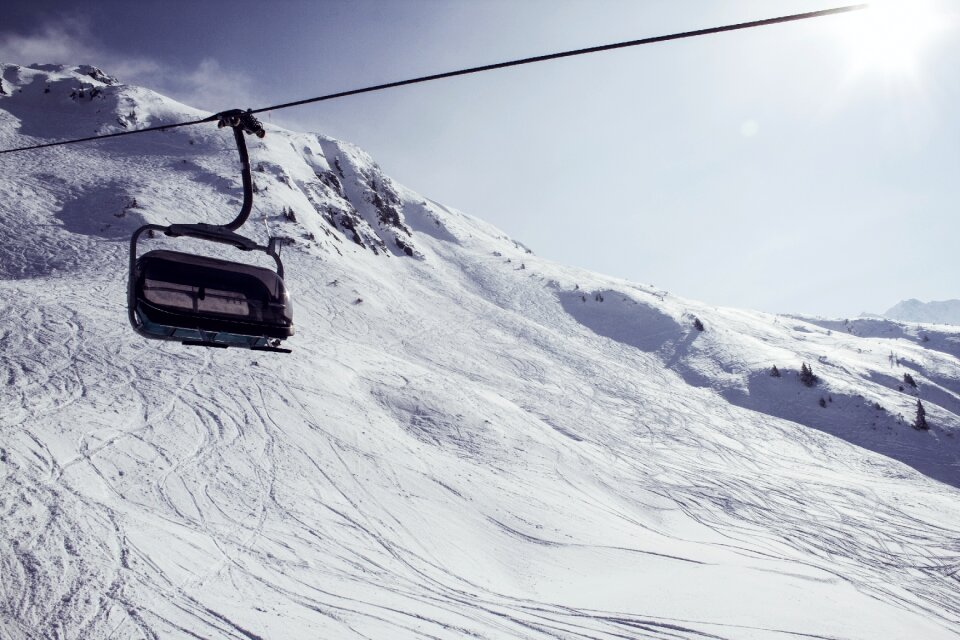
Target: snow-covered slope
468, 440
934, 312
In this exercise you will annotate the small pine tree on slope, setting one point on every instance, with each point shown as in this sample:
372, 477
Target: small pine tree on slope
806, 375
920, 423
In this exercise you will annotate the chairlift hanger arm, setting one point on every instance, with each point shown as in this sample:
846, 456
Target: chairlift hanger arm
242, 122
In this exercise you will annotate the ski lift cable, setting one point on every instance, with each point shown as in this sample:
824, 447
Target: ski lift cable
472, 70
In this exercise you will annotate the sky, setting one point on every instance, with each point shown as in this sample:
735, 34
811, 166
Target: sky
810, 167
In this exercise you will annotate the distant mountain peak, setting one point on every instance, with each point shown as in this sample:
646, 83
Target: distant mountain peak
934, 312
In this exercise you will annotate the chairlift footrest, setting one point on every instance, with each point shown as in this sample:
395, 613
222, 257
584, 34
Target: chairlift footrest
201, 343
273, 349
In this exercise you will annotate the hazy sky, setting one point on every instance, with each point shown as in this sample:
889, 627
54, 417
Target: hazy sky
809, 167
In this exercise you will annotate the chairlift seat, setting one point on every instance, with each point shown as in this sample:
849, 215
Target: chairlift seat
184, 296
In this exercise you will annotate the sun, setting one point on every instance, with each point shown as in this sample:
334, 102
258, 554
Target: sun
891, 36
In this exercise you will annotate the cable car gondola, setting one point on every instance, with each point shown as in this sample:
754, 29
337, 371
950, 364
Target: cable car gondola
204, 301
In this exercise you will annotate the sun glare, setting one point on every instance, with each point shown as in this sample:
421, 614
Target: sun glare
891, 36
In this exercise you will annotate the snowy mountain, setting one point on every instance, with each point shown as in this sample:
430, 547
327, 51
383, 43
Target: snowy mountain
467, 441
934, 312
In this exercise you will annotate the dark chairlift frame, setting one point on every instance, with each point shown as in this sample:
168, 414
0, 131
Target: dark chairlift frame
267, 338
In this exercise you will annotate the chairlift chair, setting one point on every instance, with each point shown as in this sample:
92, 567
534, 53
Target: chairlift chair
205, 301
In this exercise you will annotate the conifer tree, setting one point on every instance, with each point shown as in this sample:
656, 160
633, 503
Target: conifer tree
774, 372
920, 422
806, 376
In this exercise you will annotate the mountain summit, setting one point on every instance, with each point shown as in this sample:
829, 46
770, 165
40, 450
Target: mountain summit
467, 441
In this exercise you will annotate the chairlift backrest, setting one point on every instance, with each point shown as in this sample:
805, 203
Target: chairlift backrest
205, 285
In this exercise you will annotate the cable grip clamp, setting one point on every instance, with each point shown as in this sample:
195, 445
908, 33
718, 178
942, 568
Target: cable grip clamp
244, 120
